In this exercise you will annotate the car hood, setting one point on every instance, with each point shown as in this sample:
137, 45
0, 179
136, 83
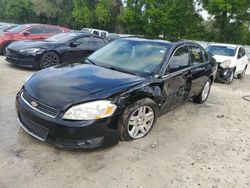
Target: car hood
19, 45
221, 59
63, 86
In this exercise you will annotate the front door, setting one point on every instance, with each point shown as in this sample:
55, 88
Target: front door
200, 69
177, 79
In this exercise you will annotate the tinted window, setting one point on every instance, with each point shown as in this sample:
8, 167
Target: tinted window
103, 34
196, 55
97, 42
179, 60
52, 30
36, 30
242, 53
206, 58
85, 41
96, 33
62, 37
91, 42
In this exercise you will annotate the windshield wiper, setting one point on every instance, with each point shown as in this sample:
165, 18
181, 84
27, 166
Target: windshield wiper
121, 70
90, 61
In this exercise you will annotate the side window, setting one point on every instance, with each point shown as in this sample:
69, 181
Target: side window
244, 52
84, 41
36, 30
180, 59
96, 33
103, 34
240, 53
206, 58
196, 55
98, 42
52, 30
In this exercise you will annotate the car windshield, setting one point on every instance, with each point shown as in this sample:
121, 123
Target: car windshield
62, 37
222, 50
17, 29
135, 56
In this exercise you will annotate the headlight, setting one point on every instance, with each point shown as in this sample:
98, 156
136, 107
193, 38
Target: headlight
30, 50
90, 111
226, 64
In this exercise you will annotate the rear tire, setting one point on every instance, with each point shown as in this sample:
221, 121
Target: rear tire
137, 120
202, 97
243, 74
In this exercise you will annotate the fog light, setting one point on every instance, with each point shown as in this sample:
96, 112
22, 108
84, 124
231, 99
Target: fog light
92, 142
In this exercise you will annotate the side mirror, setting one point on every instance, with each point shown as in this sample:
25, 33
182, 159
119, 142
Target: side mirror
26, 33
74, 44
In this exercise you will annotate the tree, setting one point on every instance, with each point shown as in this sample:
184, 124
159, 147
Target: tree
172, 19
83, 12
231, 18
18, 11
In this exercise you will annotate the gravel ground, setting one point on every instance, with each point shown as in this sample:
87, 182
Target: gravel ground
193, 146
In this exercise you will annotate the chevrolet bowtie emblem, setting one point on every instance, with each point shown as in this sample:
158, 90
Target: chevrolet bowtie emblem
34, 104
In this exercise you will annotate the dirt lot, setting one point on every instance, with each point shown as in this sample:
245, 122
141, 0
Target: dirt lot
193, 146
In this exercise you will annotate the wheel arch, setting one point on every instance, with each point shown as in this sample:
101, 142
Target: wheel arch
47, 51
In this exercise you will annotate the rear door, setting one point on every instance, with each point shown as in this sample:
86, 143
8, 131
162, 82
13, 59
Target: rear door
201, 68
177, 79
50, 31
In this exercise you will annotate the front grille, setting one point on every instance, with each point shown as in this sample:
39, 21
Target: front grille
84, 144
33, 128
45, 109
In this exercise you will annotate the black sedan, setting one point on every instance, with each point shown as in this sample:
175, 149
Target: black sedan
61, 48
118, 92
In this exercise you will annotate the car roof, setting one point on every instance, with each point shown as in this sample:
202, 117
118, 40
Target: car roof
221, 44
35, 24
145, 39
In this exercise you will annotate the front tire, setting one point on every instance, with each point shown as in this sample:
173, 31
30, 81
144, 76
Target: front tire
4, 49
202, 97
243, 74
137, 120
49, 59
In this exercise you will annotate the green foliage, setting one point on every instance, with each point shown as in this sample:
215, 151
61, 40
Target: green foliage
230, 20
169, 19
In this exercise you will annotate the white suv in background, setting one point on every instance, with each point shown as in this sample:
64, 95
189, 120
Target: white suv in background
97, 32
232, 61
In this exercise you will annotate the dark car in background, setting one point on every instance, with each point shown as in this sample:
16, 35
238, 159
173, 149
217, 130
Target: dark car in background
28, 32
61, 48
118, 92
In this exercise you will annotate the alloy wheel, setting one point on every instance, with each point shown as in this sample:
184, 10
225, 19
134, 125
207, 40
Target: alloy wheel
50, 59
205, 91
141, 122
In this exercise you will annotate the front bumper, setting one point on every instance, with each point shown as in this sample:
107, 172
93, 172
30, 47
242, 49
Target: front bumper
223, 74
67, 134
27, 61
